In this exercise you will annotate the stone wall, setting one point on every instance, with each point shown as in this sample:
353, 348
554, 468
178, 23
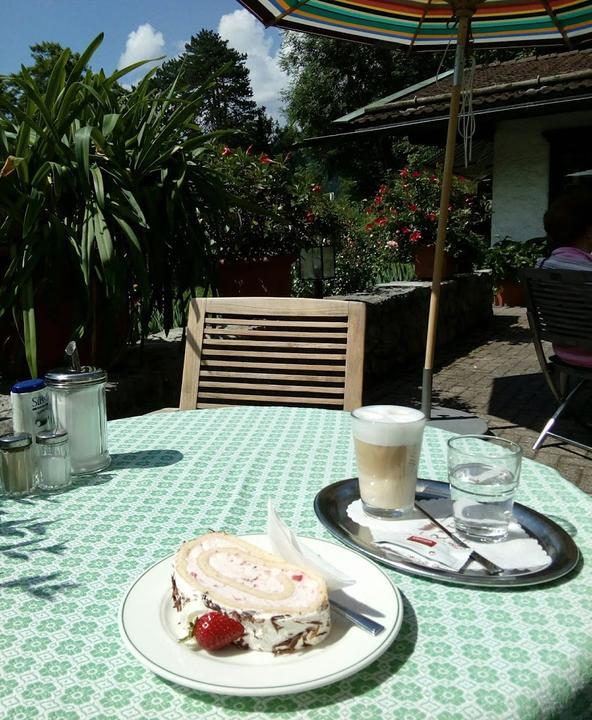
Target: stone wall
397, 318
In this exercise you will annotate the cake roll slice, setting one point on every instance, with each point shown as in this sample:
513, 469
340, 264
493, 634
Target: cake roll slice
282, 607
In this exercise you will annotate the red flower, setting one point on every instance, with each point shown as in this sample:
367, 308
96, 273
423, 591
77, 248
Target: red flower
412, 207
415, 236
249, 150
369, 211
433, 178
316, 188
265, 159
380, 221
309, 217
368, 227
226, 151
405, 230
416, 173
378, 200
404, 172
431, 216
382, 189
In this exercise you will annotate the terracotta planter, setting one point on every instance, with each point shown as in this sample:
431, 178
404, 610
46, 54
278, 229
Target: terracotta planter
424, 263
510, 293
271, 277
56, 316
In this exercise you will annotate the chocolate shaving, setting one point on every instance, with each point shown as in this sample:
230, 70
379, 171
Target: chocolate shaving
177, 602
275, 621
288, 646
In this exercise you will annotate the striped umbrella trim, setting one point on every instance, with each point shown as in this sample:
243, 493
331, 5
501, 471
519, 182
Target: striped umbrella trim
427, 24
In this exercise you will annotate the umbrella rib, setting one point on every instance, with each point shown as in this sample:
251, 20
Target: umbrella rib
553, 15
287, 12
419, 24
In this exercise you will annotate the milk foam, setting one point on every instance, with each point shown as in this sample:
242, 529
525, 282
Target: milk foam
389, 425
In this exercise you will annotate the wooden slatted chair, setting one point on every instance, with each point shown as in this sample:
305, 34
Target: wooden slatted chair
281, 351
559, 306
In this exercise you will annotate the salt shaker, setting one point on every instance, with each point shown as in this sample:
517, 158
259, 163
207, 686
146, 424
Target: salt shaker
53, 460
78, 404
30, 407
17, 468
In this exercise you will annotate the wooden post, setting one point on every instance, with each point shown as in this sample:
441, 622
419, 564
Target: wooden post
426, 391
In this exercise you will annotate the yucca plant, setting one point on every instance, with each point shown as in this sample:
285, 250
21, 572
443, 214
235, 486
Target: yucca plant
102, 191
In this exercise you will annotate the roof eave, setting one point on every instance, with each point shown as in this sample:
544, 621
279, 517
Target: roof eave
391, 98
554, 104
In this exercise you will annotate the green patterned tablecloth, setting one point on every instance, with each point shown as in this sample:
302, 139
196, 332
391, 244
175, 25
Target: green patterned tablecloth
65, 561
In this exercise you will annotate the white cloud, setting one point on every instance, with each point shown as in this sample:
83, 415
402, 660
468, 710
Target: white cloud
179, 47
142, 44
246, 34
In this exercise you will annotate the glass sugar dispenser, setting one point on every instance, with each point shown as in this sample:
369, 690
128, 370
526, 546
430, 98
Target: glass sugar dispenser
78, 403
53, 460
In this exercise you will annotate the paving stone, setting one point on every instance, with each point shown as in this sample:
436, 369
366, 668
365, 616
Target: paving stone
494, 373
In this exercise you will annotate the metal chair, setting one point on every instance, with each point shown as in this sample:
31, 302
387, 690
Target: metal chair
559, 310
262, 351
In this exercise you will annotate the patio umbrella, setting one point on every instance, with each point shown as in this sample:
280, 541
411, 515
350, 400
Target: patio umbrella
428, 25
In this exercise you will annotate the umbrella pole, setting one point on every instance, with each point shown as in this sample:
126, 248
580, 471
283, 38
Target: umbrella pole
426, 390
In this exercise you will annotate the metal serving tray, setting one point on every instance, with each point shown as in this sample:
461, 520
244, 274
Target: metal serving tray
331, 504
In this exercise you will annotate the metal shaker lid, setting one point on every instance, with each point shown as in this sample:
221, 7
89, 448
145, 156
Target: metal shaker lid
51, 437
70, 378
15, 441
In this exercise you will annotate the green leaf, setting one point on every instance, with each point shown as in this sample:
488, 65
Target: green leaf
104, 242
35, 203
85, 58
82, 151
109, 122
98, 185
113, 78
57, 78
29, 327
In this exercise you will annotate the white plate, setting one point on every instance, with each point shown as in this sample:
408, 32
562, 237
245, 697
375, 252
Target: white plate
147, 626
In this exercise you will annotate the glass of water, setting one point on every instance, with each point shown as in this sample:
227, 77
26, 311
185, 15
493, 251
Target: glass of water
483, 472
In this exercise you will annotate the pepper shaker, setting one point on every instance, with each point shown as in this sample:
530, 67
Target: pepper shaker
17, 469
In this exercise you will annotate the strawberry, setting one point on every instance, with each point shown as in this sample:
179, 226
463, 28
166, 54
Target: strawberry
215, 630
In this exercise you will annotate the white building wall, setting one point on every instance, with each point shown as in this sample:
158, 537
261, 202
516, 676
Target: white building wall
520, 191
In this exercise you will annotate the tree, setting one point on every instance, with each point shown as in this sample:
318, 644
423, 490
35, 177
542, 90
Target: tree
228, 102
330, 78
44, 55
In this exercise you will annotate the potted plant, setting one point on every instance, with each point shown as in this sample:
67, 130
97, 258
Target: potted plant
274, 216
403, 217
506, 259
102, 194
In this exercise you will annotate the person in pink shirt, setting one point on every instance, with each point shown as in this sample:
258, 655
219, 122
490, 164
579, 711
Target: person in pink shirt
568, 224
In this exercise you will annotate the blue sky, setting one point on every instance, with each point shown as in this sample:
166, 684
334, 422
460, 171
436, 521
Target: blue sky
140, 28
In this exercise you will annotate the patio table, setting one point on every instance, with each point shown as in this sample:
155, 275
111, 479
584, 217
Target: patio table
67, 559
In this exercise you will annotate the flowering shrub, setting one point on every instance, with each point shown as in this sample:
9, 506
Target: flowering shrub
404, 216
273, 211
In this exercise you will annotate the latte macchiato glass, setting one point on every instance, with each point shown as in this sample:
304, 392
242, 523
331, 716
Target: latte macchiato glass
387, 439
